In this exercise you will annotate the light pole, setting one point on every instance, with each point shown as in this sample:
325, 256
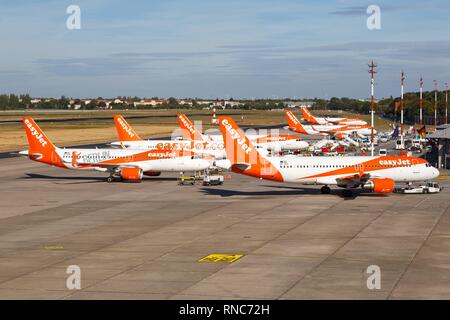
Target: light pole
421, 92
435, 103
446, 103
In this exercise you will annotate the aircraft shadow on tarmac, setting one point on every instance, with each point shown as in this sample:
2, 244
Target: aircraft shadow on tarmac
293, 191
230, 193
81, 180
336, 192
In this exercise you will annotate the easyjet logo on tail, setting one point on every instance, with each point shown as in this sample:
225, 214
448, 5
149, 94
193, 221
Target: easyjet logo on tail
235, 135
307, 115
292, 117
305, 110
34, 132
125, 127
187, 124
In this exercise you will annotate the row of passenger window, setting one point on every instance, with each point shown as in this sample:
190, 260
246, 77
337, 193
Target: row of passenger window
341, 166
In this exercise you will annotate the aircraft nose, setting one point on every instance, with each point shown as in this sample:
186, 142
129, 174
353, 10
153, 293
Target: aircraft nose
435, 173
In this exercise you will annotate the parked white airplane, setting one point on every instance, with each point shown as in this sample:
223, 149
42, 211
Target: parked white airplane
329, 120
128, 165
276, 143
197, 142
131, 140
376, 173
339, 131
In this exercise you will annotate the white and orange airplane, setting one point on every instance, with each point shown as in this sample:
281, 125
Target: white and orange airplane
327, 120
339, 131
128, 138
128, 165
194, 140
273, 142
375, 173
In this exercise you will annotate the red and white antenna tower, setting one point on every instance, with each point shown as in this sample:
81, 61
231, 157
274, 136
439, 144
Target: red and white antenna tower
214, 119
402, 81
372, 72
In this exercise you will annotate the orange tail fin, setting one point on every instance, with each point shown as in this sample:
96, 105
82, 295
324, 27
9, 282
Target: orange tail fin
308, 116
189, 130
293, 123
125, 131
41, 148
243, 155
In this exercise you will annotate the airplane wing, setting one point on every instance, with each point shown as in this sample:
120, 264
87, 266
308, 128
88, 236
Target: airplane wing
354, 180
109, 166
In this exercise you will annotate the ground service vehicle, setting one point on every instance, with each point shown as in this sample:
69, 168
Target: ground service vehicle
430, 187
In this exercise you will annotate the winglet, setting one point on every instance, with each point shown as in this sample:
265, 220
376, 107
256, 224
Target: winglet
125, 131
189, 130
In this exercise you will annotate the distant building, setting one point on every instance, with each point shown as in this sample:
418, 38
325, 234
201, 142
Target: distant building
149, 102
185, 102
232, 104
203, 102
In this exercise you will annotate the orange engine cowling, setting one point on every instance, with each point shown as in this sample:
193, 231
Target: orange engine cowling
152, 173
131, 174
339, 136
383, 185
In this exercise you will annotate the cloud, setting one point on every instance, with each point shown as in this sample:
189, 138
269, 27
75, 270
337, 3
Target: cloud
253, 60
113, 64
350, 11
204, 48
362, 10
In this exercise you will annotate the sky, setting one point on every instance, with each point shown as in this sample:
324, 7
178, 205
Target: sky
221, 49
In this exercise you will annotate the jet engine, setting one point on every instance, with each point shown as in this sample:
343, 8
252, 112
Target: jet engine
131, 174
380, 185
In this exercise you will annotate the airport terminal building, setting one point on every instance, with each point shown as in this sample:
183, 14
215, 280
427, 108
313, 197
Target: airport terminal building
442, 136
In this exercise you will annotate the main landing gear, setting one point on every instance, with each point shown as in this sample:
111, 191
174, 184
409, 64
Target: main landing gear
325, 190
113, 178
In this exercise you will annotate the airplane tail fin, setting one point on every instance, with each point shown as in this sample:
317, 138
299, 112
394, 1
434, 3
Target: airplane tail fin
189, 130
125, 131
243, 155
293, 123
308, 116
40, 147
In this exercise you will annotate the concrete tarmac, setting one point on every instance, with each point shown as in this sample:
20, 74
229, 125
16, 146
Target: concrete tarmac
144, 240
